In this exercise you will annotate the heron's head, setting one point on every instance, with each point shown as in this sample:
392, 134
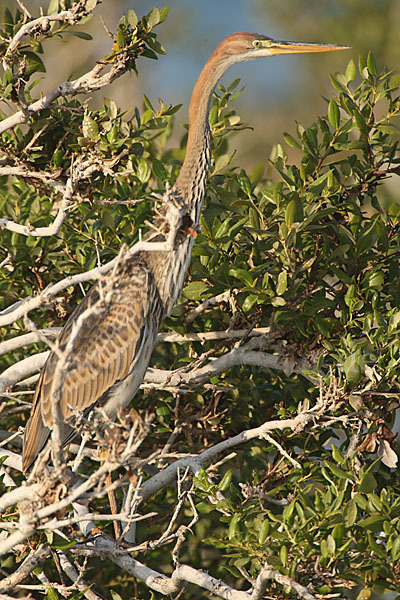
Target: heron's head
246, 46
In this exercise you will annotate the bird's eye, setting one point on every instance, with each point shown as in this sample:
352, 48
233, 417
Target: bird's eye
256, 43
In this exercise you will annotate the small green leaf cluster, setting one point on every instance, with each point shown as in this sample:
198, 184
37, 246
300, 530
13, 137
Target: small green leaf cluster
137, 36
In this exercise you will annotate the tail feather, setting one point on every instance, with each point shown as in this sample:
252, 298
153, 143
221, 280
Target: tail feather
36, 436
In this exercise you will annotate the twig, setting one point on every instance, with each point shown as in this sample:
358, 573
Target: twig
224, 297
212, 335
271, 440
267, 573
77, 578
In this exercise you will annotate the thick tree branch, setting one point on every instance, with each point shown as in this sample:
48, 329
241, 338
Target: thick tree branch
21, 370
27, 339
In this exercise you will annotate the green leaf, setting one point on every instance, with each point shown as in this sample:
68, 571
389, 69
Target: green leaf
234, 527
53, 7
195, 290
163, 13
376, 280
350, 513
338, 533
337, 471
132, 18
291, 141
368, 483
121, 37
264, 531
371, 64
373, 523
331, 545
153, 18
283, 555
221, 162
316, 186
350, 71
294, 212
243, 275
365, 594
205, 508
389, 128
34, 63
79, 34
361, 122
225, 481
336, 84
249, 302
282, 283
90, 128
337, 454
159, 170
143, 171
254, 218
334, 114
350, 295
278, 301
395, 549
353, 367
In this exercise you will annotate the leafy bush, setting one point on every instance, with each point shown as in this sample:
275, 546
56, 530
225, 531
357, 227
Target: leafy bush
298, 276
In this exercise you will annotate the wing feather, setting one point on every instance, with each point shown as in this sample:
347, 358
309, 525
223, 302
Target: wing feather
106, 345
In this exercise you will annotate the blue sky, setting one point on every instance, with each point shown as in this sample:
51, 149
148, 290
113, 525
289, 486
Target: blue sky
192, 31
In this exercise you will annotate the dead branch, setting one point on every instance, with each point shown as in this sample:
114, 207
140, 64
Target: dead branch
27, 339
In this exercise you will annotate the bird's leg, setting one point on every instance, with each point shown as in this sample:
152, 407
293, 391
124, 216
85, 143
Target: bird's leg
113, 507
111, 498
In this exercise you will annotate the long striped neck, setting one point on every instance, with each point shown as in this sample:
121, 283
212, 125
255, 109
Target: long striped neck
169, 269
192, 178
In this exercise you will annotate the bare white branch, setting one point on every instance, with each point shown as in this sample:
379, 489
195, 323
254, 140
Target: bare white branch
27, 339
243, 355
235, 334
22, 171
195, 462
21, 370
52, 229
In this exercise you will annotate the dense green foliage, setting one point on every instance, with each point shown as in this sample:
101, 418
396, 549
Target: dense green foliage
311, 250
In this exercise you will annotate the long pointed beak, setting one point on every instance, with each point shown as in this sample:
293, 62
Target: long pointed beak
281, 47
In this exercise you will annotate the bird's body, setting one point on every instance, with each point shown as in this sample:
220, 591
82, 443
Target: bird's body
113, 345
